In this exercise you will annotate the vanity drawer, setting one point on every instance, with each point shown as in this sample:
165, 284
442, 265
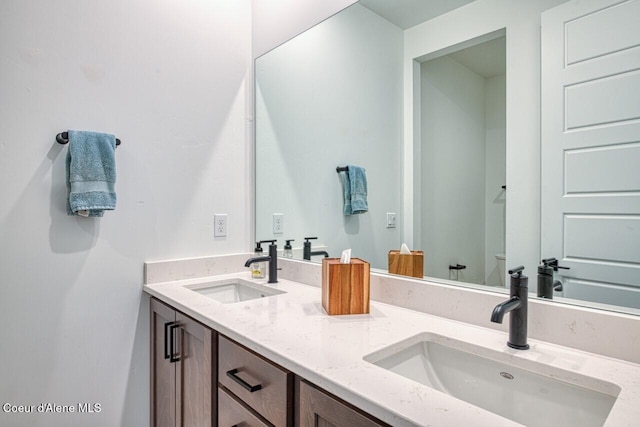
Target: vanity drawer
232, 413
262, 385
317, 407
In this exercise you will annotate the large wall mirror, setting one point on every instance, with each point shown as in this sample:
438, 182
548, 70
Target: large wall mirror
440, 103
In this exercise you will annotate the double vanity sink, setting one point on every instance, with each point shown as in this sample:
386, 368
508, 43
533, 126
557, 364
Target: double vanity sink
409, 368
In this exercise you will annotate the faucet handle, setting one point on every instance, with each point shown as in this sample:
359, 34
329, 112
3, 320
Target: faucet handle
517, 270
517, 279
553, 263
271, 242
310, 238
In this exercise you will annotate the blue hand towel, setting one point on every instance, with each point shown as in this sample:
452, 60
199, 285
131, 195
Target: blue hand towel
346, 190
358, 180
91, 173
354, 186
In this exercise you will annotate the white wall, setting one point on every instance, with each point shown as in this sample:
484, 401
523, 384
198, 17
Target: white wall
169, 79
452, 170
521, 18
462, 168
275, 22
306, 130
495, 175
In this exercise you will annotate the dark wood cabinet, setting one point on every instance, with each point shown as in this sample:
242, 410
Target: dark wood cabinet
183, 371
200, 378
317, 408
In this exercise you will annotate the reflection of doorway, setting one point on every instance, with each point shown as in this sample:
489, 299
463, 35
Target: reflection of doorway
462, 163
590, 212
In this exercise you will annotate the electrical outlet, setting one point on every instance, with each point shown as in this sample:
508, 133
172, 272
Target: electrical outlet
278, 223
391, 220
219, 225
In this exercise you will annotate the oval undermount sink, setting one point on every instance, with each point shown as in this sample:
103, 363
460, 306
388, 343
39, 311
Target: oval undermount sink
233, 290
533, 394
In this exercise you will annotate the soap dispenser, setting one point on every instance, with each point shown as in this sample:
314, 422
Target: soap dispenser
546, 284
258, 269
288, 252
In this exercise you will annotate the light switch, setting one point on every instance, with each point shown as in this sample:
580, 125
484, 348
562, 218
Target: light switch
391, 220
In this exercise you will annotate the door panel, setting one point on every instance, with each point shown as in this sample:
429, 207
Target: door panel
591, 148
588, 169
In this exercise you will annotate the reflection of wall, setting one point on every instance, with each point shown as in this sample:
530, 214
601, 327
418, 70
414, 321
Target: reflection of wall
522, 22
320, 131
462, 169
292, 17
453, 169
495, 174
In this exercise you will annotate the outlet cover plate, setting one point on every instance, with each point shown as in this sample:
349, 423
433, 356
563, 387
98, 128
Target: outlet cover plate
220, 225
278, 223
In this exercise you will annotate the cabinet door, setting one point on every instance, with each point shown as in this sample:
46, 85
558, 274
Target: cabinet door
163, 373
194, 374
319, 409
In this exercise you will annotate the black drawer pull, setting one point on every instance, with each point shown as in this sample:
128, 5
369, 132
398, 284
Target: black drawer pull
167, 352
250, 388
172, 328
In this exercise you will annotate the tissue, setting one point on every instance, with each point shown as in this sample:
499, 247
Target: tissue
345, 258
404, 249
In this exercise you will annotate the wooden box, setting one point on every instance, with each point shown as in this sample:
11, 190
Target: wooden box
345, 287
406, 264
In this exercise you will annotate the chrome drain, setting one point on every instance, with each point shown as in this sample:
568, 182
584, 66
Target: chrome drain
506, 375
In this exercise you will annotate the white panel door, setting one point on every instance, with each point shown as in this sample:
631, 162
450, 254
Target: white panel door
591, 148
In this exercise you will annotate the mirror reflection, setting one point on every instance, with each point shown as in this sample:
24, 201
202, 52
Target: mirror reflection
459, 196
445, 127
331, 97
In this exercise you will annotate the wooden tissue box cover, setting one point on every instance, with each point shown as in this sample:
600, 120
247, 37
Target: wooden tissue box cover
405, 264
345, 287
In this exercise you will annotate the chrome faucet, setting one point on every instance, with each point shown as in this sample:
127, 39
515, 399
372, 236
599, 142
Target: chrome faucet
272, 258
306, 250
517, 305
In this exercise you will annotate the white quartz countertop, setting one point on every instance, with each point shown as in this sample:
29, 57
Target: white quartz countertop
294, 331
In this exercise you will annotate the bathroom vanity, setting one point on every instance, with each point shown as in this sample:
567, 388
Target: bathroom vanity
309, 365
216, 381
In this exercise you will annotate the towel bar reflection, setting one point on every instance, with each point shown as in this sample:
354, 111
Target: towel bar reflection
63, 138
342, 169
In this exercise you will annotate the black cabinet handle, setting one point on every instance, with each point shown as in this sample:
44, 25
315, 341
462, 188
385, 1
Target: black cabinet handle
167, 352
250, 388
172, 334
